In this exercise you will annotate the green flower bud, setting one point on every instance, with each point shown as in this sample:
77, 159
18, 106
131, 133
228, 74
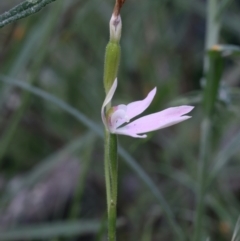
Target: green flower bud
112, 60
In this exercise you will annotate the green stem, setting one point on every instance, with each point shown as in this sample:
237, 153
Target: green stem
23, 10
107, 169
210, 96
111, 169
111, 65
213, 29
113, 160
112, 222
204, 145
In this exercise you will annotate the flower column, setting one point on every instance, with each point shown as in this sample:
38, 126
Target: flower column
112, 59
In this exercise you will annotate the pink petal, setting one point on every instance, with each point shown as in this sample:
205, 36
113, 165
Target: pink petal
137, 107
155, 121
108, 100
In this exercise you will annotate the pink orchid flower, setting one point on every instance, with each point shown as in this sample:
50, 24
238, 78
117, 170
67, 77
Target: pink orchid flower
118, 115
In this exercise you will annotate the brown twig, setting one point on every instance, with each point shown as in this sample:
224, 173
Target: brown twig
117, 7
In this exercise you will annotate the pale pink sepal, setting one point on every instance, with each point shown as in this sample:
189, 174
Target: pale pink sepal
155, 121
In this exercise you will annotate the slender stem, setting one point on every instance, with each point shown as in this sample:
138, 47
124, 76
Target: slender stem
114, 165
111, 169
107, 170
112, 60
113, 161
23, 10
204, 145
212, 35
112, 217
213, 29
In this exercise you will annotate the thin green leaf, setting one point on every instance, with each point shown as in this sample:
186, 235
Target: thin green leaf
50, 230
23, 10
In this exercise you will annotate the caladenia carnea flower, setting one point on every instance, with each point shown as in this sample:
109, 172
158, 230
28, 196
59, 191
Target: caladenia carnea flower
117, 116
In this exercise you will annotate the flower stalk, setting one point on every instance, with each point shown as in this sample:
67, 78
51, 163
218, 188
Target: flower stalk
213, 71
111, 65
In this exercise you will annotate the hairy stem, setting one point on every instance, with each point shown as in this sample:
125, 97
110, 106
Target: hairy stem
23, 10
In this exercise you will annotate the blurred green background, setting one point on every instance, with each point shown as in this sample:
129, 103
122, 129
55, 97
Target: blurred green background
51, 164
